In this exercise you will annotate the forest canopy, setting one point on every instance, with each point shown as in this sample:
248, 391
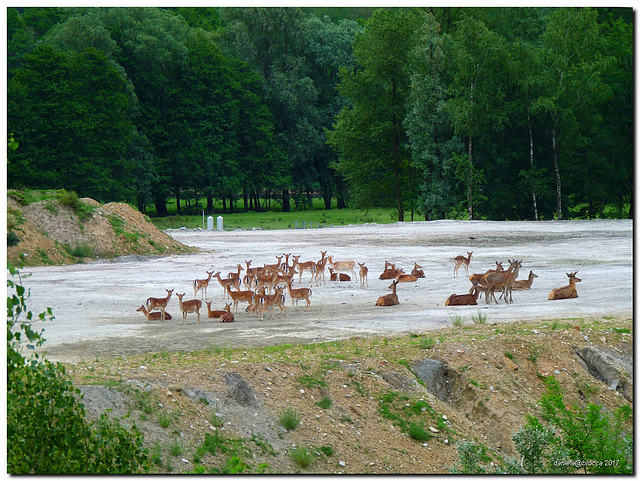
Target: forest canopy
478, 113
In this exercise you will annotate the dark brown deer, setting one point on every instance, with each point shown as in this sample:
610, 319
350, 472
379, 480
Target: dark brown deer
566, 292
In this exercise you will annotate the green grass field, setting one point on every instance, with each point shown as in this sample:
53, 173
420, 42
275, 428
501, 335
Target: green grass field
273, 220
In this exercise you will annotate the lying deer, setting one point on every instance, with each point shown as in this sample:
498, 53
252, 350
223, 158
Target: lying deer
217, 314
192, 305
389, 299
153, 316
334, 276
524, 285
228, 315
391, 274
566, 292
464, 299
417, 271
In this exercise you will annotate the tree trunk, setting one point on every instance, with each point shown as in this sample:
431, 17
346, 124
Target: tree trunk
224, 205
161, 205
209, 204
245, 197
340, 195
470, 181
286, 205
399, 196
533, 190
556, 169
178, 211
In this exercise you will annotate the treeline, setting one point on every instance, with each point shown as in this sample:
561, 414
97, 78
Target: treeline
495, 113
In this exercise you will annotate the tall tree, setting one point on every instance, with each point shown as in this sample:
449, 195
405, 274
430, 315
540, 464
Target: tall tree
369, 133
477, 95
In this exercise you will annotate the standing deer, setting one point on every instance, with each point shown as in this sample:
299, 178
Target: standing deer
300, 293
389, 299
202, 284
364, 270
342, 266
192, 305
566, 292
462, 261
159, 303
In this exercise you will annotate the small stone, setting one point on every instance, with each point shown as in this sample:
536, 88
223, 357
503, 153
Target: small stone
342, 463
433, 430
268, 369
185, 461
174, 387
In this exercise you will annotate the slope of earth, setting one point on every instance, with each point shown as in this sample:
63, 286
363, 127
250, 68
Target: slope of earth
50, 232
220, 410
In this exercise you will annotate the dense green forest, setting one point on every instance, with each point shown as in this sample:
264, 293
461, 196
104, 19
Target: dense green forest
478, 113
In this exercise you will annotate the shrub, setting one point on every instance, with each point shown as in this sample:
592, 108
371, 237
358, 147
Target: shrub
12, 239
290, 419
303, 455
47, 430
417, 432
324, 403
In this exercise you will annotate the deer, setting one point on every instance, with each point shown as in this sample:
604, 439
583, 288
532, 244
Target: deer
524, 285
406, 278
228, 315
566, 292
235, 275
320, 267
269, 301
392, 273
364, 270
389, 299
478, 279
342, 266
227, 282
159, 303
300, 293
334, 276
239, 296
153, 316
303, 266
417, 271
502, 280
470, 299
202, 284
192, 305
211, 314
462, 261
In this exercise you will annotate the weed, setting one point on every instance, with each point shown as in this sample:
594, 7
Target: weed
508, 355
417, 432
309, 381
324, 403
456, 320
290, 418
303, 455
479, 318
326, 450
427, 342
164, 420
156, 455
176, 448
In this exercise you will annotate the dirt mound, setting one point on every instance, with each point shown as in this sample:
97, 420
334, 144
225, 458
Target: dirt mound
52, 233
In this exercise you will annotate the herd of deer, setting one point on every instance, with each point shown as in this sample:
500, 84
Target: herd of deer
264, 287
505, 281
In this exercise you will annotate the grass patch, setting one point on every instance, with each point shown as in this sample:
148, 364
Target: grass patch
325, 403
303, 455
290, 418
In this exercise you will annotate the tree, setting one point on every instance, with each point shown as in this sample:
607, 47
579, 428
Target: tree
47, 429
73, 110
369, 133
477, 94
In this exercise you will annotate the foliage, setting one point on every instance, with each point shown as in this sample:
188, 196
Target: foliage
290, 418
303, 455
47, 429
585, 439
490, 113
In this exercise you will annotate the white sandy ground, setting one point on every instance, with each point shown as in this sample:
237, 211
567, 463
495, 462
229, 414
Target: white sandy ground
95, 304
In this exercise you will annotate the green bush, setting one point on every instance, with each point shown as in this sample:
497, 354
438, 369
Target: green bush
290, 418
12, 239
47, 429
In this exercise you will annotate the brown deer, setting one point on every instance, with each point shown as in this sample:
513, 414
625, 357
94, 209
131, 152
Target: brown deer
153, 316
334, 276
342, 266
301, 293
389, 299
364, 270
502, 281
303, 266
524, 285
227, 282
269, 301
462, 261
159, 303
239, 296
406, 278
566, 292
417, 271
470, 299
192, 305
388, 274
216, 314
202, 284
228, 315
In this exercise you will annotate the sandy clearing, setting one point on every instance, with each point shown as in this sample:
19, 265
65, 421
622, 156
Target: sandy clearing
95, 304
